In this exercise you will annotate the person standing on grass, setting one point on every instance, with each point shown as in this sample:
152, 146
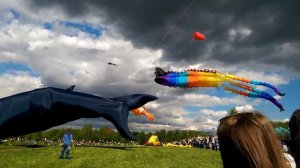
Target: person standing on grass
68, 140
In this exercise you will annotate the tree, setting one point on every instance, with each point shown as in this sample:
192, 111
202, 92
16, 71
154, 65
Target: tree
87, 132
53, 134
282, 129
232, 111
280, 124
162, 134
141, 138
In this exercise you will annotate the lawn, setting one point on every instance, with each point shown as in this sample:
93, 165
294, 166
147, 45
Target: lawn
109, 156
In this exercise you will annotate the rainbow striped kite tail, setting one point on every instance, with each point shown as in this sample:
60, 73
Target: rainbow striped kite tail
267, 85
280, 106
268, 97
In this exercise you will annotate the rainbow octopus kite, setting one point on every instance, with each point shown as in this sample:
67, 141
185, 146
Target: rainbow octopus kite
212, 78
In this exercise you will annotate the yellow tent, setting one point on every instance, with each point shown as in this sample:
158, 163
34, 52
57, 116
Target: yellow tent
153, 140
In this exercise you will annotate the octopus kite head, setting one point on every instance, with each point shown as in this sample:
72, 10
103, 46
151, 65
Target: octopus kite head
160, 76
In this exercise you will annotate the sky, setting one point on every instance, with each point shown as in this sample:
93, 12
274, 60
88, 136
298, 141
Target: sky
62, 43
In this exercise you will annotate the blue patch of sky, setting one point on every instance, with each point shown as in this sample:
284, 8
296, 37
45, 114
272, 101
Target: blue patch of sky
15, 13
290, 102
72, 72
48, 26
85, 27
93, 30
9, 67
192, 108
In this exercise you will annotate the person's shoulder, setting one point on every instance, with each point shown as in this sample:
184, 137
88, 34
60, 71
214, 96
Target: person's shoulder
68, 134
290, 159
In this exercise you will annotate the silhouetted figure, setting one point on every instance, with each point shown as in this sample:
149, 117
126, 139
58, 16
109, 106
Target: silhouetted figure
294, 125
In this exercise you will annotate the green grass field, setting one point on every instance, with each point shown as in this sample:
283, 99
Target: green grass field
104, 156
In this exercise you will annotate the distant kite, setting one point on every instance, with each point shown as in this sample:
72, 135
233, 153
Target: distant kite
212, 78
199, 36
110, 63
41, 109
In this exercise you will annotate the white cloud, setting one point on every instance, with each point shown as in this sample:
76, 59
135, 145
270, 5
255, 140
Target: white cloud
12, 83
6, 56
274, 78
67, 41
245, 108
286, 120
239, 33
204, 100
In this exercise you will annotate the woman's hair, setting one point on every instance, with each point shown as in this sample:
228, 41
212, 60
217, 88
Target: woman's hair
294, 144
249, 140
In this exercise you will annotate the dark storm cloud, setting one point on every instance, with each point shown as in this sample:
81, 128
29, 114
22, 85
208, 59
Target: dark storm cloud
272, 24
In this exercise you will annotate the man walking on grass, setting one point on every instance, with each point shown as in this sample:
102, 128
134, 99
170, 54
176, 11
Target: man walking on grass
68, 140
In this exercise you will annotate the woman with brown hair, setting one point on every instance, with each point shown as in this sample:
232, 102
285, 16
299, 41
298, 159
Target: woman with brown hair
294, 125
249, 140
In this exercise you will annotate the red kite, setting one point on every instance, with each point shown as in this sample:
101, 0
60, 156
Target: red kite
199, 36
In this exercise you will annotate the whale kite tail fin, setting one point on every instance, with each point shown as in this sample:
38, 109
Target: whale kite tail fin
120, 116
120, 121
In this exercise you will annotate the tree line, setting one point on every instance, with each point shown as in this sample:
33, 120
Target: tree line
87, 133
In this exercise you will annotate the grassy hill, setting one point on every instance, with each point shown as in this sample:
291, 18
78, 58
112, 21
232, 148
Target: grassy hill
109, 156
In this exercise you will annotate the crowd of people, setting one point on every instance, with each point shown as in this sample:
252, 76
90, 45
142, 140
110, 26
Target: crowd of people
59, 142
208, 142
205, 142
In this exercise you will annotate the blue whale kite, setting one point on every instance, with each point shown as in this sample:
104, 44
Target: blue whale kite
41, 109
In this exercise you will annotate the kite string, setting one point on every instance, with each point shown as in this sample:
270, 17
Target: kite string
173, 26
186, 47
